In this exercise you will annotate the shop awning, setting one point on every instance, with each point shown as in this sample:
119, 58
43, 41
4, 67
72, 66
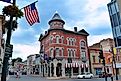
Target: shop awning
72, 65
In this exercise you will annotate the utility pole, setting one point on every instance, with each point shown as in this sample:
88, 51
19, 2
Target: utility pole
6, 56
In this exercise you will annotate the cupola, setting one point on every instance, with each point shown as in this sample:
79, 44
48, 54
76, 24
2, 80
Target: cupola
56, 22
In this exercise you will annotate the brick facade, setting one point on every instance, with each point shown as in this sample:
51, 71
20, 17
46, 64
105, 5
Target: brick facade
59, 45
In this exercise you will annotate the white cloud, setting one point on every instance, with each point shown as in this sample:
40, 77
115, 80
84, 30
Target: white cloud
23, 51
93, 5
92, 39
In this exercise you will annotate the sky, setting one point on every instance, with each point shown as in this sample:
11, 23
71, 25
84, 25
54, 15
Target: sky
91, 15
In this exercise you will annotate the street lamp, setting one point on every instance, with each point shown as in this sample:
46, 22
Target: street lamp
10, 25
6, 58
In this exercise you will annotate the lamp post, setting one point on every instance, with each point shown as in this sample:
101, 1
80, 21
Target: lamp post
6, 56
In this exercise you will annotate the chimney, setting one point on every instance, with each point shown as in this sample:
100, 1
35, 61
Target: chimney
75, 29
45, 32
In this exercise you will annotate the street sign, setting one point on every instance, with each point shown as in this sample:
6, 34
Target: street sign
8, 50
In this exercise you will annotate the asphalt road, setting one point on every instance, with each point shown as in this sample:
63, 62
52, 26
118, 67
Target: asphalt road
38, 78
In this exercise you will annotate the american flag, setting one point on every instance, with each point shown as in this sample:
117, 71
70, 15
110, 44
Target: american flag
31, 14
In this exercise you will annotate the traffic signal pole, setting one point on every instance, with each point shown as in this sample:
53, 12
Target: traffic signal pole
104, 68
103, 62
6, 57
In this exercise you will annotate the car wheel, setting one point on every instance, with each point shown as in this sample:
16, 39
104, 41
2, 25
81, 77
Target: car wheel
90, 77
78, 77
83, 77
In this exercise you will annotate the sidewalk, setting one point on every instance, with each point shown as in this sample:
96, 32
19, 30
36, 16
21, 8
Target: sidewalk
56, 78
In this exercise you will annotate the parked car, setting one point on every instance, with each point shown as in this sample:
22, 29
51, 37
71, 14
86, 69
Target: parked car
102, 75
85, 75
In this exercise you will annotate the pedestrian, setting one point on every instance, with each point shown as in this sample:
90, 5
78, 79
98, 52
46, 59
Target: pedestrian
17, 74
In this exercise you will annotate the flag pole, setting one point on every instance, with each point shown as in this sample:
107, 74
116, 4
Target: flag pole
29, 4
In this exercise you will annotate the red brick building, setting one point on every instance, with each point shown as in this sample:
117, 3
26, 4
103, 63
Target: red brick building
63, 50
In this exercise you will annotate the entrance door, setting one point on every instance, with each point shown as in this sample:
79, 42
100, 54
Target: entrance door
59, 70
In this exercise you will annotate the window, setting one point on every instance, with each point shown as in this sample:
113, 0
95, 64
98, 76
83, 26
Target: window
57, 51
62, 40
119, 19
83, 54
51, 39
113, 9
72, 53
93, 57
51, 52
62, 52
69, 52
116, 6
57, 39
83, 50
115, 19
111, 19
69, 41
82, 44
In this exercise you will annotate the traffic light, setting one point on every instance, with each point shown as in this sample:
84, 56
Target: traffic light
101, 54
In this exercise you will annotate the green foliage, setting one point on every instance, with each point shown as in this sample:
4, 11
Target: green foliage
12, 11
16, 60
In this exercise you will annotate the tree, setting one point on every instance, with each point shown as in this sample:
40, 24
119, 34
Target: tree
18, 59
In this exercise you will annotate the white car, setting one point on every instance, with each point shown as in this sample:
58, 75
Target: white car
85, 75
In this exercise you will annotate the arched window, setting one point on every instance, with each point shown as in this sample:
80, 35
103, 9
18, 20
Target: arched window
51, 52
69, 52
83, 44
72, 53
57, 52
51, 39
57, 39
69, 42
82, 50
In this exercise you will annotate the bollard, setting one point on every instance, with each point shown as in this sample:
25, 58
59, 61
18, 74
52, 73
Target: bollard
111, 78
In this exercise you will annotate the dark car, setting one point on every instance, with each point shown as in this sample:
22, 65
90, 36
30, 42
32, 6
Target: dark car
102, 75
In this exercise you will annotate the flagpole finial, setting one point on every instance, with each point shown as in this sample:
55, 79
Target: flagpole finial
56, 11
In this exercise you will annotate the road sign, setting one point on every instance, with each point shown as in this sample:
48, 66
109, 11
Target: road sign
8, 50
